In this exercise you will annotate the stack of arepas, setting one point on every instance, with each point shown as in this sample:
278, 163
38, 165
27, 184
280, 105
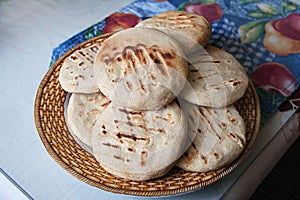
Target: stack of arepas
154, 96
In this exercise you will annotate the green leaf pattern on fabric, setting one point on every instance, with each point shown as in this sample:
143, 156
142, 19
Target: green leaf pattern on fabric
268, 9
182, 6
288, 6
249, 1
252, 31
257, 14
203, 1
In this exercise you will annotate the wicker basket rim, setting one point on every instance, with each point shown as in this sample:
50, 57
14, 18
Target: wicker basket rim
178, 191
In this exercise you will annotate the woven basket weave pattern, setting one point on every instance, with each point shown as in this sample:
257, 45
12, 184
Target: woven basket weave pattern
53, 131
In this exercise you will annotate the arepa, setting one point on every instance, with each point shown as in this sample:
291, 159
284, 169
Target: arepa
139, 145
140, 68
82, 113
191, 30
220, 137
77, 71
216, 79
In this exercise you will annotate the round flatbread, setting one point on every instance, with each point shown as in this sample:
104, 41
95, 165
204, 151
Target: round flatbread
220, 137
77, 71
189, 29
82, 113
139, 145
142, 69
216, 79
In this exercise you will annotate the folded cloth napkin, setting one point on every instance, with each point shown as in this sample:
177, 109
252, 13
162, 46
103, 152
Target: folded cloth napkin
264, 35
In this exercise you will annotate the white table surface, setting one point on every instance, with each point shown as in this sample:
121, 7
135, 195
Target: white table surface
29, 30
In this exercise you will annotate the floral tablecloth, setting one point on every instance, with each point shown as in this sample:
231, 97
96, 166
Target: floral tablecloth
264, 35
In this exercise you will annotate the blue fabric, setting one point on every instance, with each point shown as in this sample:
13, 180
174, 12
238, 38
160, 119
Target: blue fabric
235, 13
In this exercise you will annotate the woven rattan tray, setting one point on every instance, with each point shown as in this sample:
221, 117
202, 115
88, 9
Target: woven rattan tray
54, 133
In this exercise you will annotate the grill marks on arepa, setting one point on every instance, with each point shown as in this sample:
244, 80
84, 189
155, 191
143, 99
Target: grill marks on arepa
192, 31
216, 79
135, 57
206, 74
77, 71
220, 136
135, 120
218, 128
180, 21
139, 144
209, 118
82, 113
145, 75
